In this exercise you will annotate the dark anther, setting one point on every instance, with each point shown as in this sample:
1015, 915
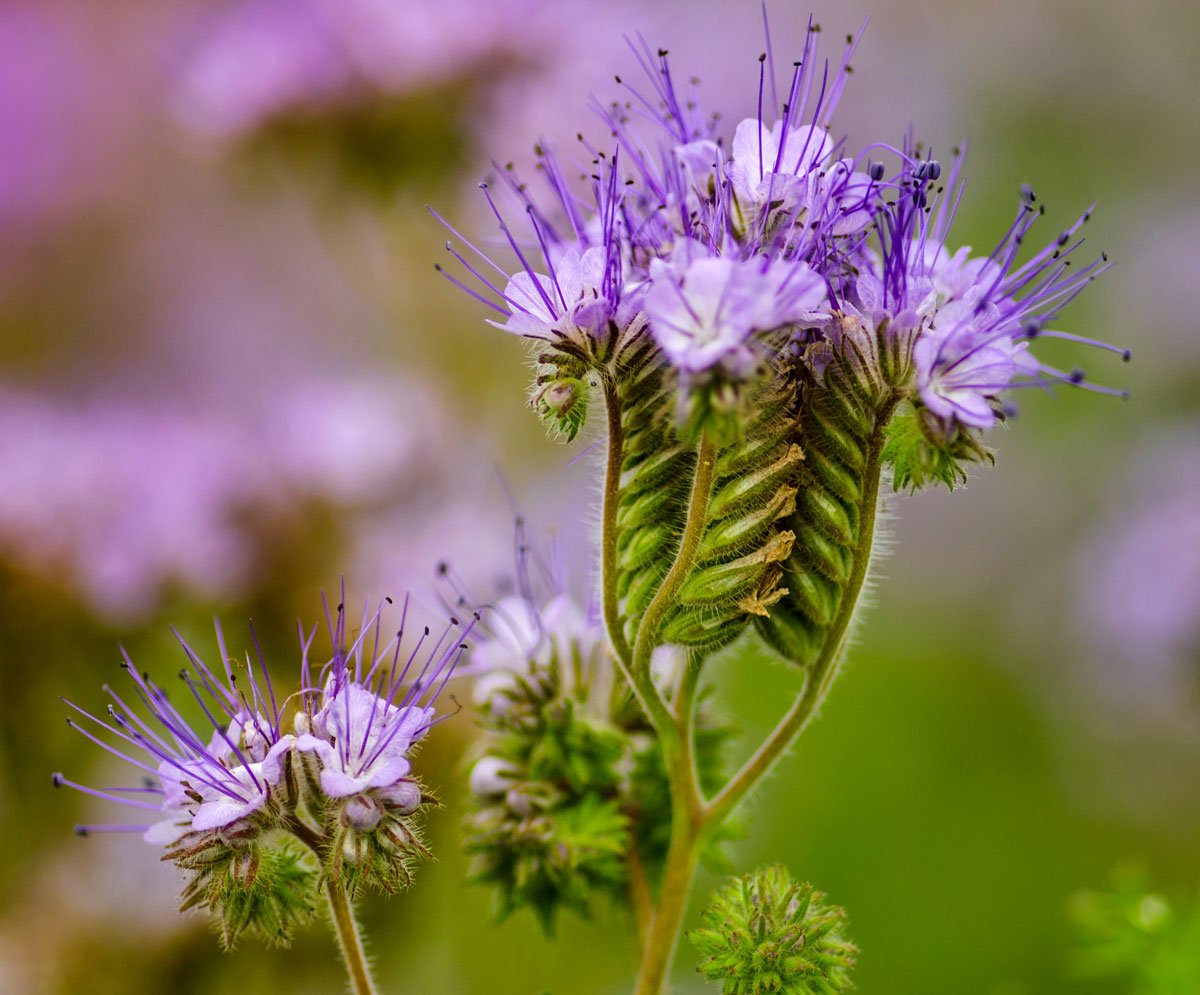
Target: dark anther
1064, 238
1076, 375
56, 780
875, 170
1027, 193
341, 607
1127, 355
388, 600
762, 57
453, 620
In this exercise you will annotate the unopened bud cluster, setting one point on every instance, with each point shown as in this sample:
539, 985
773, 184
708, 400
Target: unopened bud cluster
569, 787
765, 934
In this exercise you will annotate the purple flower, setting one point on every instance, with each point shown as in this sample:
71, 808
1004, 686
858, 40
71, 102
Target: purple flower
672, 235
565, 305
256, 60
368, 715
193, 782
357, 730
967, 320
710, 244
703, 310
960, 368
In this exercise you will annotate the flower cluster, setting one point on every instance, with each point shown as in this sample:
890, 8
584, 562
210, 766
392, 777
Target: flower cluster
730, 255
766, 932
328, 768
568, 783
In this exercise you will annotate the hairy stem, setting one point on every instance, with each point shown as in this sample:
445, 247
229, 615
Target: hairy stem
608, 538
640, 897
685, 557
824, 667
342, 916
686, 831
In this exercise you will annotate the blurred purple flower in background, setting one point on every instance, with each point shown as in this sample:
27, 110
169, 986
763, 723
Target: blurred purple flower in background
120, 497
57, 113
254, 60
1138, 602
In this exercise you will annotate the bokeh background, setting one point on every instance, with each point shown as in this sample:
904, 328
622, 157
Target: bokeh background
229, 376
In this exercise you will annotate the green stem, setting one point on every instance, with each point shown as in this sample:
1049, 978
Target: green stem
647, 633
608, 538
825, 667
687, 827
674, 727
342, 915
689, 542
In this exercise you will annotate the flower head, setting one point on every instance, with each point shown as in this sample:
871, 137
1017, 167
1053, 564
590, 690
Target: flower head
703, 310
230, 805
372, 710
968, 321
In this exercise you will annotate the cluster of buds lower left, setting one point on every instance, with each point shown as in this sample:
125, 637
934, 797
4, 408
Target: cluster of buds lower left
281, 796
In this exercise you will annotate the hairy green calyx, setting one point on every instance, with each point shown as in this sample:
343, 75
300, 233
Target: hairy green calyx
765, 933
841, 418
738, 564
249, 884
550, 830
921, 451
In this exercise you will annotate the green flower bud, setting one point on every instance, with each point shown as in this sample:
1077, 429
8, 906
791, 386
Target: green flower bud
765, 933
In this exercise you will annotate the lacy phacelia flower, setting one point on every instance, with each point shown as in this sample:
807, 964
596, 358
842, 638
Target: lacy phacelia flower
711, 243
196, 782
967, 321
246, 794
368, 716
703, 310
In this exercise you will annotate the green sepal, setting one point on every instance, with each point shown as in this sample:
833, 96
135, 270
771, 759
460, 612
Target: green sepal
737, 571
258, 883
550, 859
840, 418
923, 449
559, 834
381, 857
765, 933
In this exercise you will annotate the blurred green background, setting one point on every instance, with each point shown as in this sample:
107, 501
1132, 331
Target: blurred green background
229, 376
